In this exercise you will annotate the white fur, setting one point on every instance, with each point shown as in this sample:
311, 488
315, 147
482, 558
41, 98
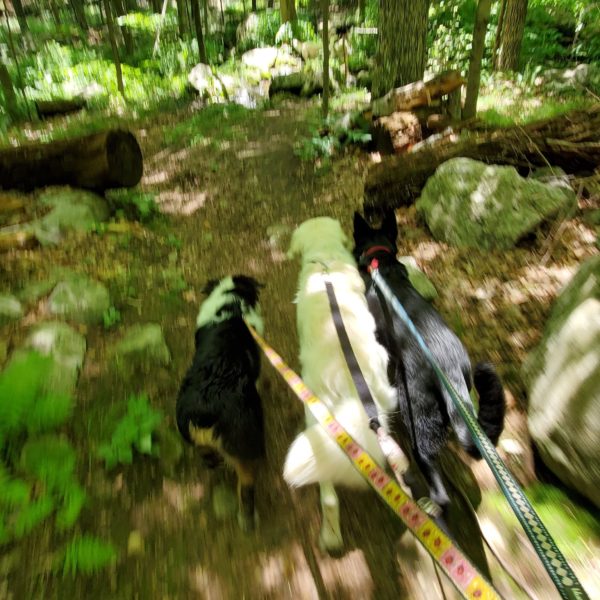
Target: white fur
221, 296
314, 456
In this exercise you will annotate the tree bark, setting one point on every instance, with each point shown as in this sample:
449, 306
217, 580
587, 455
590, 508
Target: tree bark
113, 45
198, 28
511, 35
119, 8
325, 11
571, 141
402, 53
416, 94
99, 161
288, 10
182, 23
79, 13
482, 17
21, 17
253, 5
498, 34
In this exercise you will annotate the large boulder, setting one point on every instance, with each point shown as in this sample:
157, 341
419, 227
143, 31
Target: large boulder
10, 308
303, 84
262, 59
79, 299
564, 375
71, 210
203, 79
471, 204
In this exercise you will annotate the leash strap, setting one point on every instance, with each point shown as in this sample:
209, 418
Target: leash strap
464, 576
360, 384
554, 562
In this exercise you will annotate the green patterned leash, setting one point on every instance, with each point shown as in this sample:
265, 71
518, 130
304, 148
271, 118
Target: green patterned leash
554, 562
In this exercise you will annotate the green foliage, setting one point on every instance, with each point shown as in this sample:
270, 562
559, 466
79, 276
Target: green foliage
268, 24
133, 431
213, 123
317, 146
23, 405
133, 204
111, 317
73, 500
50, 459
31, 515
85, 555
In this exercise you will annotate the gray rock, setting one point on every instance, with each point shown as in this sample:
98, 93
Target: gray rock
260, 58
224, 502
35, 290
79, 299
144, 345
554, 177
419, 280
247, 31
66, 347
10, 308
71, 210
470, 204
300, 84
564, 374
203, 79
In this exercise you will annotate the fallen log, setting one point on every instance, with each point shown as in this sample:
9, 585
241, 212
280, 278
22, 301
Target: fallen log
419, 93
110, 159
396, 133
52, 108
569, 141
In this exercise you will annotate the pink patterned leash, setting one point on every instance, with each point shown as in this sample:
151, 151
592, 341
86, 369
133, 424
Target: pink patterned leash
464, 575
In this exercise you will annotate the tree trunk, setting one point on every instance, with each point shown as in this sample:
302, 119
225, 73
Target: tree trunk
571, 141
361, 10
198, 28
99, 161
156, 6
511, 35
325, 10
498, 34
113, 45
119, 8
21, 18
10, 98
79, 13
402, 53
418, 93
253, 5
206, 21
288, 10
182, 21
482, 17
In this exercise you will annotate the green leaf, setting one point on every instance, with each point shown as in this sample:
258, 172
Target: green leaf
86, 555
73, 502
51, 459
50, 412
32, 515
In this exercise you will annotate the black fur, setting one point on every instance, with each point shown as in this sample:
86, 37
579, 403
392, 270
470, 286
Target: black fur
219, 390
425, 408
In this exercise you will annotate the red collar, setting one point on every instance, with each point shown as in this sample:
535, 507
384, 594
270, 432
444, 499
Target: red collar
374, 249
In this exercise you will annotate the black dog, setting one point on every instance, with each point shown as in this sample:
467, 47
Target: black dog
425, 407
218, 407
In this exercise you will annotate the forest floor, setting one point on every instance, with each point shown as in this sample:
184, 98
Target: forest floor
231, 193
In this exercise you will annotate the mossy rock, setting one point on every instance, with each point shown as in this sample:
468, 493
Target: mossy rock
79, 299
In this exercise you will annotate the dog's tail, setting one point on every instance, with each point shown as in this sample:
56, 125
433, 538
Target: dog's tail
492, 404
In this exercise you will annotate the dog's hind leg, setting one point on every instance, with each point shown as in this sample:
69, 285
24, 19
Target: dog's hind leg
246, 473
330, 538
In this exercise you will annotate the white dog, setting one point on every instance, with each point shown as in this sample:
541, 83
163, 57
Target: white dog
314, 456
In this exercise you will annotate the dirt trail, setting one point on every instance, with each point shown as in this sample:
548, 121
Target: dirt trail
234, 194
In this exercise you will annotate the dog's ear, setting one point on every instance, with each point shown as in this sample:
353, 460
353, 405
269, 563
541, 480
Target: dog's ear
389, 227
247, 288
209, 286
361, 227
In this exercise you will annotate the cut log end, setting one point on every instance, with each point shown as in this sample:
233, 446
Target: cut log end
124, 159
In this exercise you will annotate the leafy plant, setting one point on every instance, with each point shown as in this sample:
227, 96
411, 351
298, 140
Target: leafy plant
133, 431
85, 555
133, 204
111, 317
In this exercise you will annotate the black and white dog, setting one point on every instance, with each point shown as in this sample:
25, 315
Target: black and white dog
425, 408
218, 407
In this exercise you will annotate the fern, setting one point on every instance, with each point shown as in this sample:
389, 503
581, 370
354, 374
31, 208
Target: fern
20, 385
134, 430
13, 492
73, 501
86, 555
51, 459
50, 412
32, 515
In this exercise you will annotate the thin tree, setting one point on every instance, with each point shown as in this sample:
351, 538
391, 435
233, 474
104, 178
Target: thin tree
482, 17
114, 47
288, 10
402, 53
79, 13
10, 98
120, 11
498, 34
198, 29
325, 14
182, 21
511, 36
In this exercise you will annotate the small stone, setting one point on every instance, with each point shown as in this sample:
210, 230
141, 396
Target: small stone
10, 308
135, 544
144, 343
80, 299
